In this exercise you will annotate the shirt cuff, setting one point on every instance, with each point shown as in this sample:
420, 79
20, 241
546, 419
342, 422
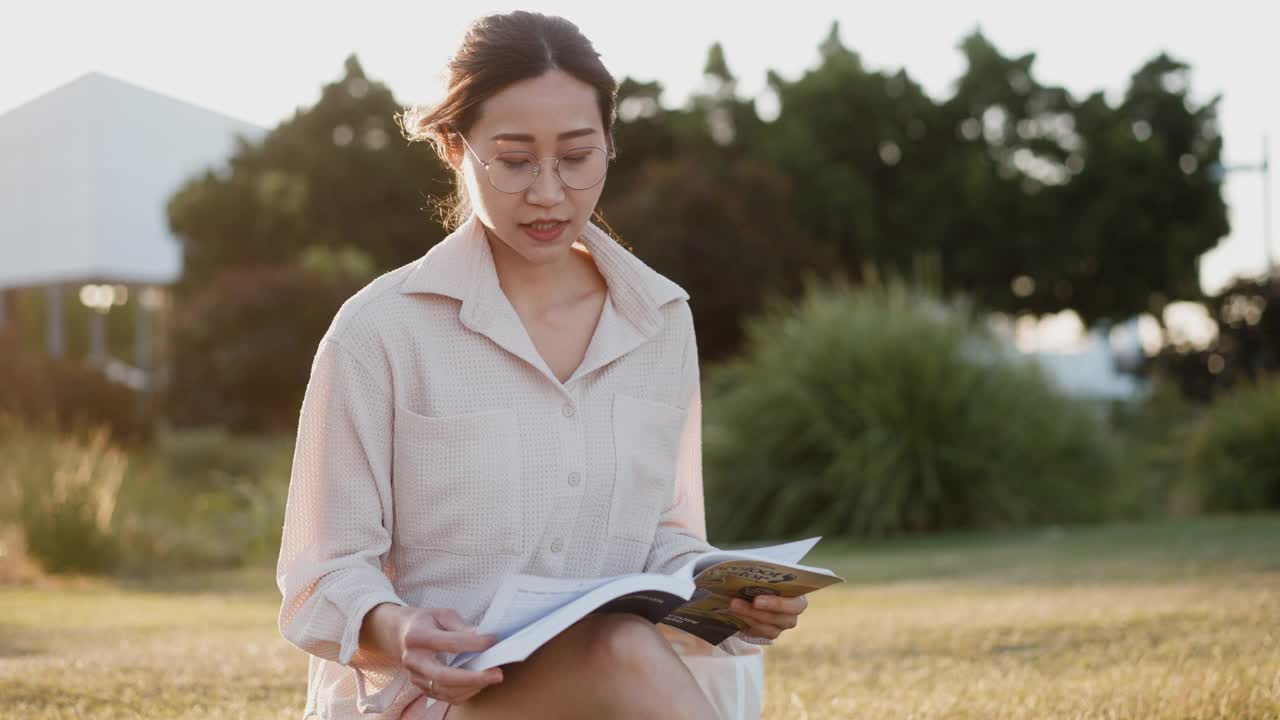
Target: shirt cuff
377, 686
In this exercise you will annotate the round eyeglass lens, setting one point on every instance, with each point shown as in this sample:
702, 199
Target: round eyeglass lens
579, 169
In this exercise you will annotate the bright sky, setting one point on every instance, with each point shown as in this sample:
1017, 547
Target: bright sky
260, 60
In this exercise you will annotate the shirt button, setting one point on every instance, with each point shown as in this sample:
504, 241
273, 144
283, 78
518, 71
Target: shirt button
557, 545
574, 479
568, 410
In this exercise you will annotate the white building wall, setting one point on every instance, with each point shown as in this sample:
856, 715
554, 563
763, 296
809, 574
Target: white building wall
86, 171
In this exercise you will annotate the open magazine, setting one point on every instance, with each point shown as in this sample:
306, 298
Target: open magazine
528, 610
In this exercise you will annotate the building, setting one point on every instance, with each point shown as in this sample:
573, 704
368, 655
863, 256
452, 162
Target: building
87, 170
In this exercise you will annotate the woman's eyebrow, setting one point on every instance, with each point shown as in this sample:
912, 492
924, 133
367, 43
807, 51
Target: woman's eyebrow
521, 137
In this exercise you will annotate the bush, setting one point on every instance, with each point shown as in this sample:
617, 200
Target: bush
196, 500
882, 411
64, 494
205, 498
243, 346
1155, 430
210, 458
1235, 449
69, 395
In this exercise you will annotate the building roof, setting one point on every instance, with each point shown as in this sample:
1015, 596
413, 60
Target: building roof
88, 169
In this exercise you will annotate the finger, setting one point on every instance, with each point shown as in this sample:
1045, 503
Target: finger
779, 604
782, 620
447, 683
755, 624
450, 641
449, 619
764, 628
457, 694
462, 698
427, 668
459, 679
766, 631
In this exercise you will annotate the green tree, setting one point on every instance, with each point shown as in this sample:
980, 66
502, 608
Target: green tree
689, 198
337, 174
1032, 201
1146, 206
271, 249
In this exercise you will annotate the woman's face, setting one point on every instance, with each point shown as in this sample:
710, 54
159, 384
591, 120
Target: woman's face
547, 116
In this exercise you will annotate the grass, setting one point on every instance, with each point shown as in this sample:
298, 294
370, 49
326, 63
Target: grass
1155, 621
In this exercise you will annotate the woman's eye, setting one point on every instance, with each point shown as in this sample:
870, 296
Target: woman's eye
580, 158
514, 163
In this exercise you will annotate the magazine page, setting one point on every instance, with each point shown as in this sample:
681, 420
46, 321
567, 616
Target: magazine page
535, 609
792, 552
524, 599
786, 553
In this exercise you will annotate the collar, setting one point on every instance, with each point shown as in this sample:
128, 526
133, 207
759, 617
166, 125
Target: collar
461, 266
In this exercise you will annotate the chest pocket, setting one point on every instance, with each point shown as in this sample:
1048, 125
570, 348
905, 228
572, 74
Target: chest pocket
457, 482
646, 441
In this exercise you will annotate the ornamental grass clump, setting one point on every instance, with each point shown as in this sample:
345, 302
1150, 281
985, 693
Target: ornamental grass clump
881, 410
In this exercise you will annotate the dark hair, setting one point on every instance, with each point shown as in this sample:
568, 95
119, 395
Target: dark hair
498, 51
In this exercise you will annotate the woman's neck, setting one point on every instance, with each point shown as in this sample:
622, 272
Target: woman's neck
539, 287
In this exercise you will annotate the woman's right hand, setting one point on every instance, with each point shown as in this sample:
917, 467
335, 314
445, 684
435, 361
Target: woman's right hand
422, 634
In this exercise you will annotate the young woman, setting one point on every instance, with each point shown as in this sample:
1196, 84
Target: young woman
524, 398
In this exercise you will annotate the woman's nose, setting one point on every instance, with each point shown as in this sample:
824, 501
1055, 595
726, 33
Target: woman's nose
546, 188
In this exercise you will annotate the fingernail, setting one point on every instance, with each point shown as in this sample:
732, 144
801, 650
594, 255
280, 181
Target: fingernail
737, 604
764, 602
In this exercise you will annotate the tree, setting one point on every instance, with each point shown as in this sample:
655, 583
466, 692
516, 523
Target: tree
271, 249
687, 196
1032, 201
336, 174
1247, 348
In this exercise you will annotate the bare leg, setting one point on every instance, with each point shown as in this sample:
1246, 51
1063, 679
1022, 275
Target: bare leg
611, 665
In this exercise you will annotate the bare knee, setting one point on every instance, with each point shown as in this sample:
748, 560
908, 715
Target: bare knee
618, 642
606, 665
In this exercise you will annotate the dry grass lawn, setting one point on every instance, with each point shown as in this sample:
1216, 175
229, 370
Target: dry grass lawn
1160, 622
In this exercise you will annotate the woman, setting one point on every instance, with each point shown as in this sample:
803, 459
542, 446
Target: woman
512, 402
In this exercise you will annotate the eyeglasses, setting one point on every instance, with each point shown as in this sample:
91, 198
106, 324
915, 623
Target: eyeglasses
514, 171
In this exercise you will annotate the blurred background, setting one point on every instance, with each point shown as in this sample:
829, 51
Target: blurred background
986, 293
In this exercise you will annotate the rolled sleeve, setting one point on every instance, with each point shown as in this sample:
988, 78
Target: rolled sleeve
331, 570
682, 527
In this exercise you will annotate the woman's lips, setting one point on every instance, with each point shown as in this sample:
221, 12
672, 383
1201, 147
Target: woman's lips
544, 235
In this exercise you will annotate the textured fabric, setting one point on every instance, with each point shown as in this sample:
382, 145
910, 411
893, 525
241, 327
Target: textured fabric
438, 453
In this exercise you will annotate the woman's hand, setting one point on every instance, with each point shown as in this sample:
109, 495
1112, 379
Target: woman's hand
424, 633
769, 615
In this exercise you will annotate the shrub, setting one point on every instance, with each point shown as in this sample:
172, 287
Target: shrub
207, 458
883, 411
197, 500
205, 498
1235, 449
65, 491
1155, 430
69, 395
243, 346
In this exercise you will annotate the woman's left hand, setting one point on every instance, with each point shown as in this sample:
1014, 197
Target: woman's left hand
769, 615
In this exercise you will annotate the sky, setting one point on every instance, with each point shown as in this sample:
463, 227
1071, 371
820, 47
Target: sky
262, 60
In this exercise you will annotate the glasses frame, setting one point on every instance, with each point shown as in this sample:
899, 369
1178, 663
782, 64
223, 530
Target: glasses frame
537, 168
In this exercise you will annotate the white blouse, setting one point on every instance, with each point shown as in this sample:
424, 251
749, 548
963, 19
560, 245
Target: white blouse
437, 453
